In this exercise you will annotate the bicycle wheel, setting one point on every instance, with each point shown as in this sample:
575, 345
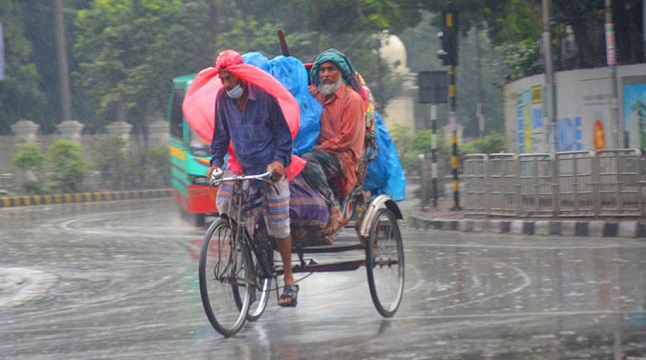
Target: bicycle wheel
225, 278
262, 256
260, 297
385, 263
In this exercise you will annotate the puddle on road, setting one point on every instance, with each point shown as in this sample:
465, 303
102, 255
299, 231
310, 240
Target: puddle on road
19, 285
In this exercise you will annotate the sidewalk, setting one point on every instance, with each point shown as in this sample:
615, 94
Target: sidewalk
443, 218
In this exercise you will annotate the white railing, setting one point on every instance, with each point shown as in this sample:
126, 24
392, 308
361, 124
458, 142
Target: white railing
565, 184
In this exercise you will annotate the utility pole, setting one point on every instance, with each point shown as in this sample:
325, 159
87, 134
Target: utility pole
434, 155
61, 53
449, 56
550, 99
479, 111
433, 89
1, 54
611, 60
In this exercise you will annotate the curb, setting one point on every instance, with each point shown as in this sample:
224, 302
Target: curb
595, 228
14, 201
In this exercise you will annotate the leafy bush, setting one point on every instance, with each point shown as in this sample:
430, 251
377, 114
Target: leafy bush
520, 58
107, 156
32, 187
64, 164
411, 146
159, 164
121, 168
488, 144
29, 159
67, 165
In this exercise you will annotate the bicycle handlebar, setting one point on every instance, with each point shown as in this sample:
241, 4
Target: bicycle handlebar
218, 178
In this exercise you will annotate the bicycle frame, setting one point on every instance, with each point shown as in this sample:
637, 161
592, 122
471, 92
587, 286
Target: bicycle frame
240, 196
250, 268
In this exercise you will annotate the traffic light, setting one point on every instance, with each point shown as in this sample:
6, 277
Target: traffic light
443, 53
449, 38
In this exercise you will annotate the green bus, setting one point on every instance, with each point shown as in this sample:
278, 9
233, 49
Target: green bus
189, 155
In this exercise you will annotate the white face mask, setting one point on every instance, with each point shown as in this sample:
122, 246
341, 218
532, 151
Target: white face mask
236, 92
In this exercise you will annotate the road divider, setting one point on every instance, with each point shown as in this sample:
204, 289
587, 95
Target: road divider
29, 200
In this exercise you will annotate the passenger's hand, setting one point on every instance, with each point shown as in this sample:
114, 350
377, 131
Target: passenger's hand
277, 170
213, 170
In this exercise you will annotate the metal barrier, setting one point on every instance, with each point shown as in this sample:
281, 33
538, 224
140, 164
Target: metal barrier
425, 183
575, 183
568, 184
7, 183
426, 175
537, 181
503, 194
619, 188
476, 184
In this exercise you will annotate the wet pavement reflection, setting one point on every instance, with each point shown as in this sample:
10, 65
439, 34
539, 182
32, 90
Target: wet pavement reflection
118, 280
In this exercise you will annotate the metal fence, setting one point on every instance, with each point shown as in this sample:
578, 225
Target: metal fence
477, 171
7, 183
573, 183
536, 188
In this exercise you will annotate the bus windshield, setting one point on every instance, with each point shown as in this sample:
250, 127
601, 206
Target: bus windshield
197, 145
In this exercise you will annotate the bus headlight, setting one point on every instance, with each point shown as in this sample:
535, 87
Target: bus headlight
198, 180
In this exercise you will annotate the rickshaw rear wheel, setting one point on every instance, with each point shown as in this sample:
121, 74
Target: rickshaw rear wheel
385, 262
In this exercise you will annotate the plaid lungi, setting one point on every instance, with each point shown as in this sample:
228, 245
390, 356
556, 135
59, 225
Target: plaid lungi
272, 203
307, 216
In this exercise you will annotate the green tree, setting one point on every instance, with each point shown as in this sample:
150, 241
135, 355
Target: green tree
250, 35
587, 19
128, 52
340, 16
20, 96
422, 46
39, 25
519, 58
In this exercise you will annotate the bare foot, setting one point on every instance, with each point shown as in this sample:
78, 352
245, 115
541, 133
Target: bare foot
337, 221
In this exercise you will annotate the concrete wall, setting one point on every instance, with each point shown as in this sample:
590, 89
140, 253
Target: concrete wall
583, 111
158, 136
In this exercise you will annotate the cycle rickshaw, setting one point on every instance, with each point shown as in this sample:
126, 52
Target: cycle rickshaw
237, 272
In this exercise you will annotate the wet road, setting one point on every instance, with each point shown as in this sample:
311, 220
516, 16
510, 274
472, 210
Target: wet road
118, 280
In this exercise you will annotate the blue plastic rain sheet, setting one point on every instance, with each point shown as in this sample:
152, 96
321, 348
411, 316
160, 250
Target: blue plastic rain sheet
385, 174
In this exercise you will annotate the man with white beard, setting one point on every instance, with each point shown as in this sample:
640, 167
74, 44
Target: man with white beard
336, 156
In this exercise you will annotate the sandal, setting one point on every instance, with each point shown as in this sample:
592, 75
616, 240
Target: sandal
290, 292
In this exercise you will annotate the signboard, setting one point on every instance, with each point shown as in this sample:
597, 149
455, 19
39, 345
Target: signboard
433, 87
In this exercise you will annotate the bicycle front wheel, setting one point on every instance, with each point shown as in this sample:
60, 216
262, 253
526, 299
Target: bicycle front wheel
226, 278
262, 257
385, 263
